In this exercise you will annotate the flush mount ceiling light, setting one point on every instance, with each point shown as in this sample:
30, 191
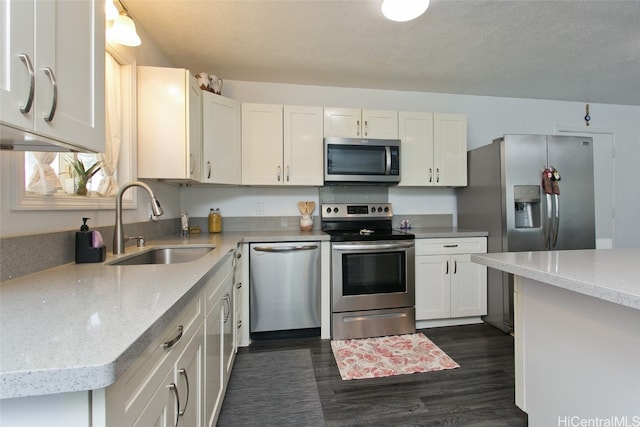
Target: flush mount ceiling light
404, 10
123, 30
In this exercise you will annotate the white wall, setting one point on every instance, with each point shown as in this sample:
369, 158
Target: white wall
488, 118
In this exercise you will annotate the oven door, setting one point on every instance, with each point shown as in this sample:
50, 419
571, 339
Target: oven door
372, 275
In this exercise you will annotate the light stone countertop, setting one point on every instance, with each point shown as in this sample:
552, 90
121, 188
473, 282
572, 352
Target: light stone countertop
607, 274
79, 326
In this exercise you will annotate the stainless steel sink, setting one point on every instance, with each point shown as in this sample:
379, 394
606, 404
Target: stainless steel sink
165, 255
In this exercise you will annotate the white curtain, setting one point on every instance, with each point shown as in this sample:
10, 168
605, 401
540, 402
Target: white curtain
109, 185
43, 179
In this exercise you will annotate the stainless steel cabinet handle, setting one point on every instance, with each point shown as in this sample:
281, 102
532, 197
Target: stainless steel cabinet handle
455, 267
447, 271
54, 101
430, 174
32, 82
238, 285
239, 324
174, 388
183, 372
192, 164
437, 174
449, 246
208, 169
288, 173
279, 172
366, 128
285, 248
358, 127
226, 301
173, 341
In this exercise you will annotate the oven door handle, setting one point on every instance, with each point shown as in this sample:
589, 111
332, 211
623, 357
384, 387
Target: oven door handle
371, 246
285, 248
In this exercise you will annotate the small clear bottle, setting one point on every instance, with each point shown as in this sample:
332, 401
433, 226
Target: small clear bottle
215, 221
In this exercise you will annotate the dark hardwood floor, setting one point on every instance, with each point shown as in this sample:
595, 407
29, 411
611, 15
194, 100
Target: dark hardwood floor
479, 393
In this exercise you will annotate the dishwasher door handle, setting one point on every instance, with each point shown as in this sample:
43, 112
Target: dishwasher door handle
285, 248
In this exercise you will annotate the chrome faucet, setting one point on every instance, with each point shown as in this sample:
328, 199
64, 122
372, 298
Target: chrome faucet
118, 232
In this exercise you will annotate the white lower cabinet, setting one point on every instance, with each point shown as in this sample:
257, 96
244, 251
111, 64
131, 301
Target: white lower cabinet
220, 348
448, 284
180, 379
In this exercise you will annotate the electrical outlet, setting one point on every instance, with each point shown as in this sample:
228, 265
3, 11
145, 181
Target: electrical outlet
259, 208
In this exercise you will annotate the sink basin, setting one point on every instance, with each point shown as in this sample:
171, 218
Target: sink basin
165, 255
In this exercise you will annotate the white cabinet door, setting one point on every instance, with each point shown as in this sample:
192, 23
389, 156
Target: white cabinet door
450, 149
303, 145
213, 363
63, 41
468, 287
416, 148
162, 409
433, 295
344, 122
356, 123
188, 378
433, 149
169, 124
221, 141
262, 149
380, 124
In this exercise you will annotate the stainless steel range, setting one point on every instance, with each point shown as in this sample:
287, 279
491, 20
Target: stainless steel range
372, 271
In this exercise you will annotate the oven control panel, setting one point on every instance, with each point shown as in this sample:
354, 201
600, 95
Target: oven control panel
353, 210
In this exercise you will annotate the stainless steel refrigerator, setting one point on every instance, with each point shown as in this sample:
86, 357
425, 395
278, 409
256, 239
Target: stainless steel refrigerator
531, 193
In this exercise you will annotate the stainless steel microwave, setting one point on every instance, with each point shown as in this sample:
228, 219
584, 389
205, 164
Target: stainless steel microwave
354, 160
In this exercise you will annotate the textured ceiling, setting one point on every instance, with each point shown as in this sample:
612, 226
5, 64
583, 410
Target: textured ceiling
586, 51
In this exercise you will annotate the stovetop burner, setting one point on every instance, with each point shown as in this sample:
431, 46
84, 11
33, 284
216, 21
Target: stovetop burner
360, 222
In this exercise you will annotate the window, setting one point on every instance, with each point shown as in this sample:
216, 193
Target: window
48, 181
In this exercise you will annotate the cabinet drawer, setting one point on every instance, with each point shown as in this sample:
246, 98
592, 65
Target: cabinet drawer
467, 245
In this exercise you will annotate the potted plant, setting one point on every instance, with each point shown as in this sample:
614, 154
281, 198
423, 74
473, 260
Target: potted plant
83, 175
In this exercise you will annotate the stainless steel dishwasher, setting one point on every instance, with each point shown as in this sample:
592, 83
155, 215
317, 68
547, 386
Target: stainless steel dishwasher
284, 286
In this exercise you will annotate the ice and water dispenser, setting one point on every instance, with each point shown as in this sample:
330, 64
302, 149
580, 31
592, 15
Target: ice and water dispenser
527, 206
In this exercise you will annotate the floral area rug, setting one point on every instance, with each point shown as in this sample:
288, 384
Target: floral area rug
387, 356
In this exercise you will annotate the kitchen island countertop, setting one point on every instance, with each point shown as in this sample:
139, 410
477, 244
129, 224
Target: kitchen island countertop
609, 274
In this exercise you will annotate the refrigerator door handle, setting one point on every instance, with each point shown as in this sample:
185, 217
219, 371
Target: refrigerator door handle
548, 220
556, 219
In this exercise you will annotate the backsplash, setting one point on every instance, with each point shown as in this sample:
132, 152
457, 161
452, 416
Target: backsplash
28, 254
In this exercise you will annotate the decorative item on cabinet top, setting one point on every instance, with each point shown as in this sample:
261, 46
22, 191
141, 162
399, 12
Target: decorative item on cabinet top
210, 82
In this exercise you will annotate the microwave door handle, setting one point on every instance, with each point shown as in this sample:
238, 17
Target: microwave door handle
387, 151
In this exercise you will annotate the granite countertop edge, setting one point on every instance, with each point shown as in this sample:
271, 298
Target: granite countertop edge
103, 357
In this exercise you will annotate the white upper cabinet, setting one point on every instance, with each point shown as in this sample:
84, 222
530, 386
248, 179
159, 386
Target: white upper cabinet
433, 150
221, 140
356, 123
169, 124
52, 71
303, 145
281, 145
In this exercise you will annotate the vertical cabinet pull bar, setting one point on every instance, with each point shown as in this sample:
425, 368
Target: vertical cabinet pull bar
183, 372
437, 174
366, 127
455, 267
430, 174
174, 388
358, 127
54, 101
447, 272
32, 82
208, 169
